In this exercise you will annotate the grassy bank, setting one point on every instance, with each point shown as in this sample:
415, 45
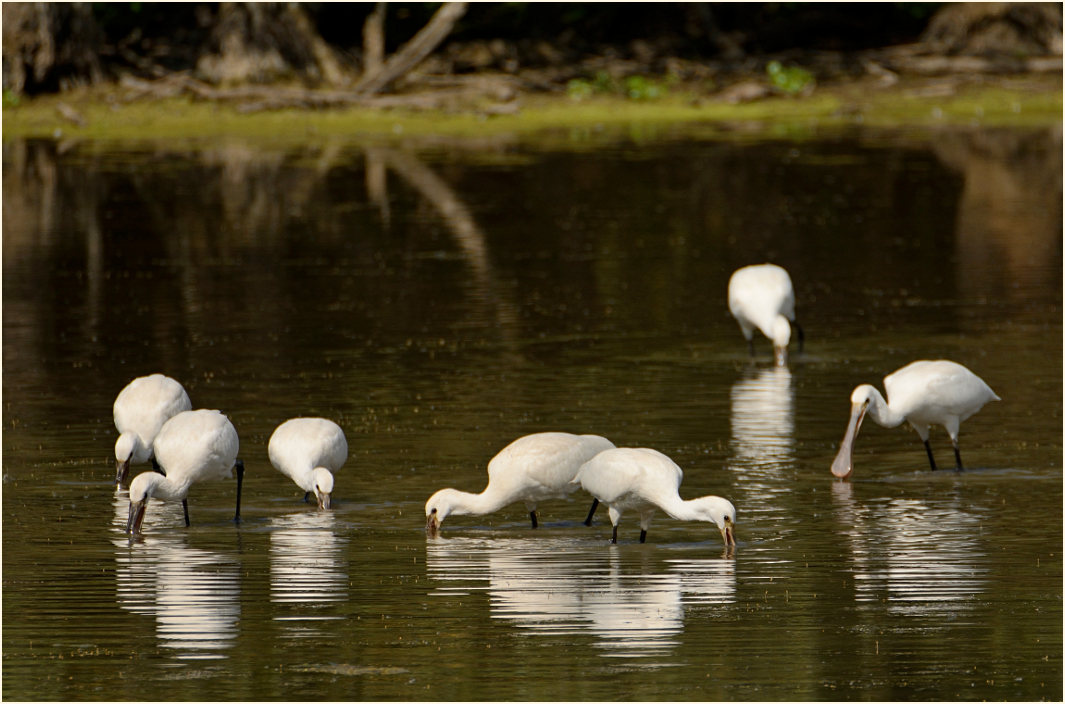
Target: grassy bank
103, 114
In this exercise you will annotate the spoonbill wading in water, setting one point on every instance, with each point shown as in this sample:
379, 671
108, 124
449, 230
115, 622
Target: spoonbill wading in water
140, 411
191, 447
923, 393
530, 469
308, 451
761, 296
644, 479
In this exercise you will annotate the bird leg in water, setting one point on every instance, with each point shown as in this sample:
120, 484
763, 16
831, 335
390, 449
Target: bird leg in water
643, 535
591, 512
957, 457
239, 466
802, 336
307, 498
750, 346
185, 505
532, 515
931, 459
614, 536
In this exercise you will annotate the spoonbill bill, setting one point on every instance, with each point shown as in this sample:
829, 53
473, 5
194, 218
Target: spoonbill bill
761, 296
191, 447
923, 393
308, 451
644, 479
140, 411
530, 469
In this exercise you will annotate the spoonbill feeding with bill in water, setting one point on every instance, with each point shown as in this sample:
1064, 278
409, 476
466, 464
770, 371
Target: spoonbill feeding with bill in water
308, 451
530, 469
191, 447
644, 479
761, 296
923, 393
140, 411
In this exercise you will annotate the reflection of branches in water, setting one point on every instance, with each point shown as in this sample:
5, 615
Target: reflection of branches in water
468, 235
1009, 216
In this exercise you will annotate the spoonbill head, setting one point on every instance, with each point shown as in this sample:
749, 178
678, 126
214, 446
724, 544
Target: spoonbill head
191, 447
923, 393
140, 410
531, 469
761, 297
308, 451
643, 479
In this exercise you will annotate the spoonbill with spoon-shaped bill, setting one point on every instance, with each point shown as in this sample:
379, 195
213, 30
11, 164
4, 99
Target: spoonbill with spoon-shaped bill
191, 447
644, 479
140, 411
530, 469
761, 296
923, 393
308, 451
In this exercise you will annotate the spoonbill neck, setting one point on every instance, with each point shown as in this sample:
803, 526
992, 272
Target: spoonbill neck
878, 408
466, 503
157, 486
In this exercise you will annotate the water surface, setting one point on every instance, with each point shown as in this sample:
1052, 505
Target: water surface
439, 301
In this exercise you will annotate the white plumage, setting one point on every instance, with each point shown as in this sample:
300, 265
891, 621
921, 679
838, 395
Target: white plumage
761, 296
191, 447
643, 479
140, 411
308, 451
923, 393
530, 469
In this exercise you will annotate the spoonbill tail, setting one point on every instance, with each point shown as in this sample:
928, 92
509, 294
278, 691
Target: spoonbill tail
308, 451
924, 393
530, 469
140, 411
761, 296
191, 447
644, 479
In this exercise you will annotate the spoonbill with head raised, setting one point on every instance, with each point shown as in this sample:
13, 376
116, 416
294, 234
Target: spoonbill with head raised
308, 451
923, 393
530, 469
191, 447
140, 411
644, 479
761, 296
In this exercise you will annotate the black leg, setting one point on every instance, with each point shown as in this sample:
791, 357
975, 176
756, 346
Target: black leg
957, 458
532, 515
239, 466
931, 459
802, 335
185, 505
643, 535
614, 535
750, 346
307, 498
591, 512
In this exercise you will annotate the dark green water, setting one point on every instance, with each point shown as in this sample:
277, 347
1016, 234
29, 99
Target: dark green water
439, 301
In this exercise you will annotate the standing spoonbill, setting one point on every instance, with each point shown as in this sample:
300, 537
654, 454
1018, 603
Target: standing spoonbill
923, 393
644, 479
530, 469
761, 296
140, 411
191, 447
308, 451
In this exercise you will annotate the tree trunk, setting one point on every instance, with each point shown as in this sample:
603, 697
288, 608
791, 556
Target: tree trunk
413, 52
50, 46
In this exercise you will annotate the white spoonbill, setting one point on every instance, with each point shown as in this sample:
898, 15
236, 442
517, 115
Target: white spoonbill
924, 393
644, 479
308, 451
761, 296
140, 411
530, 469
191, 447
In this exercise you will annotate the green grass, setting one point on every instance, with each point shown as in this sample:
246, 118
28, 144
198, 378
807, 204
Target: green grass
1028, 102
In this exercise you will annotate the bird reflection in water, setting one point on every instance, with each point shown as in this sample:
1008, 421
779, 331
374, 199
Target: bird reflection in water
193, 594
558, 587
307, 569
763, 429
922, 558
